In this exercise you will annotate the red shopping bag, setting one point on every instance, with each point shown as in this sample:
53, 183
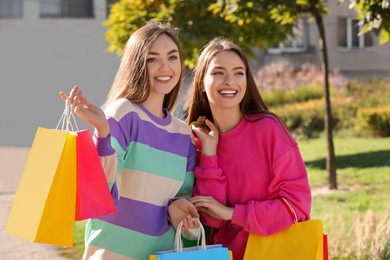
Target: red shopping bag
93, 197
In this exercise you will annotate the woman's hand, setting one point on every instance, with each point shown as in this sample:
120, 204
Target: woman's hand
87, 111
183, 210
212, 207
208, 135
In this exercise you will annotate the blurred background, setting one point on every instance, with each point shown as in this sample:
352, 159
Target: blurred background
47, 46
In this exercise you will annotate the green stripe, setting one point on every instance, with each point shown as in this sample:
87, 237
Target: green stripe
148, 159
120, 153
188, 185
126, 242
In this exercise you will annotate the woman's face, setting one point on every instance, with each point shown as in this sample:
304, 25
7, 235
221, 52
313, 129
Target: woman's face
163, 65
225, 81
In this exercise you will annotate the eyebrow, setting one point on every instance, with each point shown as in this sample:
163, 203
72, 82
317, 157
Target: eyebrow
157, 53
235, 68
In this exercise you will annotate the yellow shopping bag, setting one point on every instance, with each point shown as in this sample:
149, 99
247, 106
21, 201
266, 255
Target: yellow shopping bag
44, 206
302, 240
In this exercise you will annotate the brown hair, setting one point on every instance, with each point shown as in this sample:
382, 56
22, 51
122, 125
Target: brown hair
132, 80
252, 102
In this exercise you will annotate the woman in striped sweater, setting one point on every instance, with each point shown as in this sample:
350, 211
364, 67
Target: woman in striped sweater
147, 154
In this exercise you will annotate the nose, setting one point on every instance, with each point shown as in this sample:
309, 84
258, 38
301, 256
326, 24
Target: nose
164, 64
229, 80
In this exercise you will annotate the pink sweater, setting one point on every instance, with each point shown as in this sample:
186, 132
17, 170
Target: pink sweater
256, 163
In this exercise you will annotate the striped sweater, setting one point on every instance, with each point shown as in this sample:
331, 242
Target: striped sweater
147, 161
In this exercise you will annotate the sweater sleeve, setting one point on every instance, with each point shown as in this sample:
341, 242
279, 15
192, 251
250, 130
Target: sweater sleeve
188, 184
288, 179
210, 181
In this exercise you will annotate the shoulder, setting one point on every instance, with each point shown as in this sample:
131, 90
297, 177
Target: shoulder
271, 127
119, 108
180, 126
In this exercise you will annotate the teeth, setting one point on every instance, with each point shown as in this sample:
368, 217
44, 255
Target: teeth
164, 78
228, 92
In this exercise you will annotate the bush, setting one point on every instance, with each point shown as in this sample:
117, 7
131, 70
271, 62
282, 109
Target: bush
304, 120
375, 121
286, 96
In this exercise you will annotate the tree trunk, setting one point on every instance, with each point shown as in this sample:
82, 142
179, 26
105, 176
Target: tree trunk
330, 157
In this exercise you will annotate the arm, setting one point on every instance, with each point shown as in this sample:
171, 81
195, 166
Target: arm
179, 207
269, 216
210, 186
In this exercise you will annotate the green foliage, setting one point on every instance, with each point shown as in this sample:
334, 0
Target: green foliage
375, 15
374, 120
287, 96
304, 120
248, 23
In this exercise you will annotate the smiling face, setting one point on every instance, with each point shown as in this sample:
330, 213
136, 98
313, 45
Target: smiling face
163, 65
225, 81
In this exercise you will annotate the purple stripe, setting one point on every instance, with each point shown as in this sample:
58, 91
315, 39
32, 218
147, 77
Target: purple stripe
145, 132
103, 146
139, 216
191, 163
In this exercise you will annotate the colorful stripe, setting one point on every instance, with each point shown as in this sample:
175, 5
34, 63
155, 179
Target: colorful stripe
153, 182
156, 162
139, 216
127, 242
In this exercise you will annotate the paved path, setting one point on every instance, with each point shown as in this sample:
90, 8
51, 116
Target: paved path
12, 161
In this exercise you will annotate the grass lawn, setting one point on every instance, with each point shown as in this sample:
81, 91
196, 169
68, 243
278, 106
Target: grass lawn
356, 216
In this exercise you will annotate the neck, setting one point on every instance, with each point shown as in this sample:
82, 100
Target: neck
154, 106
226, 119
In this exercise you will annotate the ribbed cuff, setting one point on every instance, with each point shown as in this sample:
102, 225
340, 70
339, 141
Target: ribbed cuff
103, 145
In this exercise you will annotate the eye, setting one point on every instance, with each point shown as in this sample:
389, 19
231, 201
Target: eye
151, 59
217, 73
173, 57
240, 73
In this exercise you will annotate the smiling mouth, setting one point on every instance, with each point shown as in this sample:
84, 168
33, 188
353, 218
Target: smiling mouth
164, 78
228, 93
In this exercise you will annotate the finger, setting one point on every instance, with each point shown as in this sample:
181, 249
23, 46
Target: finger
211, 125
190, 221
62, 96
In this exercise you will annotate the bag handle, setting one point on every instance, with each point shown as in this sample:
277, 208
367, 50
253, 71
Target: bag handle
179, 241
292, 211
67, 117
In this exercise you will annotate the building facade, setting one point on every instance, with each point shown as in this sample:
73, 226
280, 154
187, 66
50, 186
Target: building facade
47, 46
50, 45
349, 53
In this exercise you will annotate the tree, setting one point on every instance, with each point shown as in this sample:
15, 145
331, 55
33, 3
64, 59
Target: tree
199, 21
250, 23
287, 12
375, 15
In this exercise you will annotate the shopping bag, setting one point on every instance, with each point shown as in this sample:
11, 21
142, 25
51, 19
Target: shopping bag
302, 240
93, 198
202, 251
44, 205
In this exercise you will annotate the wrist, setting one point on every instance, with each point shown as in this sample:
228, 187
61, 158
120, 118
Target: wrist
102, 132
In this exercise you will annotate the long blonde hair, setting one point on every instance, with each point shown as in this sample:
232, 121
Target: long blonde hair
132, 80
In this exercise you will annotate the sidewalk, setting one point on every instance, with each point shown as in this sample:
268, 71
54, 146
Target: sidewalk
12, 161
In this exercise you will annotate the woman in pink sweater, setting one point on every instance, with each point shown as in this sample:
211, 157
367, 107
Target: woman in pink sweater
247, 159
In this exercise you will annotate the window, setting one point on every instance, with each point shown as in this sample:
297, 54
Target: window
348, 35
11, 8
298, 43
66, 8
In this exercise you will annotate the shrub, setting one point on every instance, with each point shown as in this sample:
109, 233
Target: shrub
304, 120
375, 121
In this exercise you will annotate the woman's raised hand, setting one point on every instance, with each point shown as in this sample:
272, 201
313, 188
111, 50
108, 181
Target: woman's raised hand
87, 111
208, 135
